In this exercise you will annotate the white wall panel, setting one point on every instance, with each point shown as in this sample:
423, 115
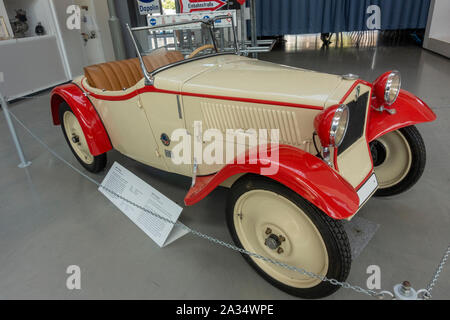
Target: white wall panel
437, 36
29, 65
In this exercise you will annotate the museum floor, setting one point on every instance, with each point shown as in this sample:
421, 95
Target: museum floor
51, 217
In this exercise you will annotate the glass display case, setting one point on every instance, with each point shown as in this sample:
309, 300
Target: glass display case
26, 18
23, 49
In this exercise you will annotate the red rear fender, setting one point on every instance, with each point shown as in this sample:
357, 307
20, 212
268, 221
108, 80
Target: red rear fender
90, 122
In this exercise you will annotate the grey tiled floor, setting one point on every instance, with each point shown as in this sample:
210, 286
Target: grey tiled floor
50, 217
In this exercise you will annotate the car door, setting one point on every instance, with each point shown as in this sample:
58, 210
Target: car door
126, 122
164, 112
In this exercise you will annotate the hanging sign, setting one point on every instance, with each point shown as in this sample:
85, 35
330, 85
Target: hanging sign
148, 6
189, 6
241, 2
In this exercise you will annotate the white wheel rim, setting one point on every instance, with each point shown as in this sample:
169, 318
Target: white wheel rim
257, 210
397, 162
76, 137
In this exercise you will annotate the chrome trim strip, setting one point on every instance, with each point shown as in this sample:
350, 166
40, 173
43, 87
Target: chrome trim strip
180, 115
194, 172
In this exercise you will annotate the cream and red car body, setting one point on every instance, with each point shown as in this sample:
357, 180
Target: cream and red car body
236, 92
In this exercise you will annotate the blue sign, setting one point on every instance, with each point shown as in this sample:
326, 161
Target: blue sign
148, 6
153, 21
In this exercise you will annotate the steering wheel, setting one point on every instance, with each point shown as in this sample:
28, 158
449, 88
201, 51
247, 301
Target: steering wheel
199, 49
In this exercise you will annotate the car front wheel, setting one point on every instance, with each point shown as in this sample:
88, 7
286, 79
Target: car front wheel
271, 220
399, 160
77, 141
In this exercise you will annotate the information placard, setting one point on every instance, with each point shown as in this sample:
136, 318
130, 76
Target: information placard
127, 185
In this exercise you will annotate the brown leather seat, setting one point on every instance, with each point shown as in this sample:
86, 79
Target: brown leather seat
123, 74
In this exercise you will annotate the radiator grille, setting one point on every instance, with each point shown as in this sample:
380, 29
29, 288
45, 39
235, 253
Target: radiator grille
225, 116
357, 122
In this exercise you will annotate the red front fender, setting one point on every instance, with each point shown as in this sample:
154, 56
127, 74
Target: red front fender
87, 116
409, 110
300, 171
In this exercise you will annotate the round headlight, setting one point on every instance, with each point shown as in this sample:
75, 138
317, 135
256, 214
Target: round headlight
339, 125
392, 89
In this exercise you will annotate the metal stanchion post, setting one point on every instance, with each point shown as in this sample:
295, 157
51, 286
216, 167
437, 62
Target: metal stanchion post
116, 32
243, 27
23, 163
254, 33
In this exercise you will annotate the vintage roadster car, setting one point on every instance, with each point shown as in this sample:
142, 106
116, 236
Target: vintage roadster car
341, 140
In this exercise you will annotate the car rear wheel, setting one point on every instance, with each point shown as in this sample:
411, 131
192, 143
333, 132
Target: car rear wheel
269, 219
399, 160
77, 141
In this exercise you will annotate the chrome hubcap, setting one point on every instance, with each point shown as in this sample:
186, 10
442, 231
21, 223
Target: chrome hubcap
272, 241
75, 139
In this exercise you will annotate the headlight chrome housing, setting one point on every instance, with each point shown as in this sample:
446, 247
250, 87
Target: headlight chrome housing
387, 87
339, 125
331, 125
392, 89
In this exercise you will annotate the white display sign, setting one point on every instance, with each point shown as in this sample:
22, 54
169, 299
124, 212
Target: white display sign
124, 183
185, 17
148, 6
189, 6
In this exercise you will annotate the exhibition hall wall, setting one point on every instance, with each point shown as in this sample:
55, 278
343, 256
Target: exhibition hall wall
57, 56
437, 37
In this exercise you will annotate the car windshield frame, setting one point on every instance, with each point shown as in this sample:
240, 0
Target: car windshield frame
208, 23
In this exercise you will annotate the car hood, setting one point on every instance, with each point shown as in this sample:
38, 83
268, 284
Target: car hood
242, 77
